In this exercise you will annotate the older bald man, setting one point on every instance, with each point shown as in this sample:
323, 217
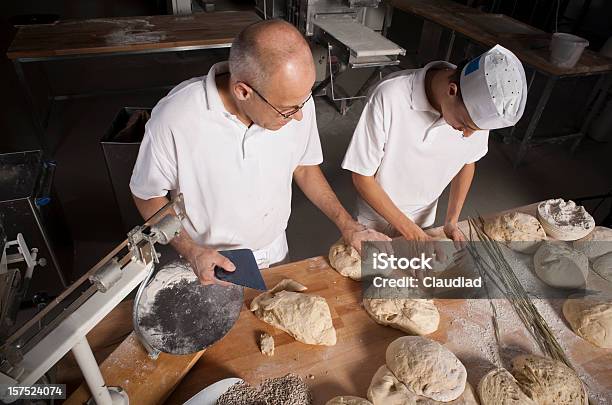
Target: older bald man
232, 142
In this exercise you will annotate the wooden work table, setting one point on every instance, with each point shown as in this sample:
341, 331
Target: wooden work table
100, 37
347, 368
128, 34
530, 44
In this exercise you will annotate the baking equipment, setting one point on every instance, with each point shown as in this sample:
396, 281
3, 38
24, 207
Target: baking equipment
347, 40
247, 272
28, 354
28, 207
183, 316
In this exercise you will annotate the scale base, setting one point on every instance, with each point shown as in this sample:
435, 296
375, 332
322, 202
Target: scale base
118, 395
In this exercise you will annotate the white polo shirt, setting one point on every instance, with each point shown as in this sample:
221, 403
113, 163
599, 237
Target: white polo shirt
409, 148
235, 180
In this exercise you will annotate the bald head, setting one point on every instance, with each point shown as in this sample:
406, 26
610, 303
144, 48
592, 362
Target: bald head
266, 50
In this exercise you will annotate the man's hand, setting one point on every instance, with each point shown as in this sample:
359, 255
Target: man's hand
203, 260
452, 231
356, 233
414, 232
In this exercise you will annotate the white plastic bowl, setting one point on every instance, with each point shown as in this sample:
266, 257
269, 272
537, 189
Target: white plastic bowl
566, 49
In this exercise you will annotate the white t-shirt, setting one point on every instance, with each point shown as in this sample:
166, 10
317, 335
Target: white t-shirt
235, 180
413, 153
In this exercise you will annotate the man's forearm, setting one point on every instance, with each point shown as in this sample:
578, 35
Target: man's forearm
460, 185
182, 243
379, 200
313, 184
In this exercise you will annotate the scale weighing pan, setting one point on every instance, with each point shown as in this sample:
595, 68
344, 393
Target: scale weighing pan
176, 314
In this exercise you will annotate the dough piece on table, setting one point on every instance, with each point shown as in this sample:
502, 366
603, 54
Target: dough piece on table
595, 244
345, 260
348, 400
413, 316
591, 319
548, 382
499, 387
266, 344
426, 368
386, 389
558, 265
603, 266
522, 232
446, 260
305, 317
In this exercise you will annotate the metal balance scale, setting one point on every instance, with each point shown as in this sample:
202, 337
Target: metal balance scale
29, 353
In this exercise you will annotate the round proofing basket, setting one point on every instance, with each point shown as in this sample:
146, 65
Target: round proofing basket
563, 233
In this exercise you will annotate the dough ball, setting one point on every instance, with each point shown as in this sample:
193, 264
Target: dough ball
426, 368
603, 266
596, 243
413, 316
499, 387
560, 266
547, 381
266, 344
305, 317
348, 400
345, 260
522, 232
591, 319
445, 257
386, 389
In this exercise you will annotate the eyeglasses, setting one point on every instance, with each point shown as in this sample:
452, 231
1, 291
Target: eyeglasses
287, 114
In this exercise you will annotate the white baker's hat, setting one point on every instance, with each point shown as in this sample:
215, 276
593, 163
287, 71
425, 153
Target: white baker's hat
494, 88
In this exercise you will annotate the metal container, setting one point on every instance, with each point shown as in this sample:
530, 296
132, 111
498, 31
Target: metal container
120, 148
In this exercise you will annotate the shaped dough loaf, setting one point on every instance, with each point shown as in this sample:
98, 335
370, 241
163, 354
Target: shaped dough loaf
603, 266
345, 260
348, 400
413, 316
558, 265
591, 319
547, 381
305, 317
426, 368
596, 243
499, 387
522, 232
386, 389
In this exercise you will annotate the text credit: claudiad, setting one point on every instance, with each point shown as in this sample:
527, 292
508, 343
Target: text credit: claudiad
386, 262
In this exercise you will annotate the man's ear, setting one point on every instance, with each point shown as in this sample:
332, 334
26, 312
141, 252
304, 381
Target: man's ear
242, 91
453, 89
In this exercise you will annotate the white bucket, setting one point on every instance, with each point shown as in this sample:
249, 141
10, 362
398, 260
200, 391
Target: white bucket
565, 49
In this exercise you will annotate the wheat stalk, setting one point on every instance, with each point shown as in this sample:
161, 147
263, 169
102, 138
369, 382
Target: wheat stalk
501, 274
